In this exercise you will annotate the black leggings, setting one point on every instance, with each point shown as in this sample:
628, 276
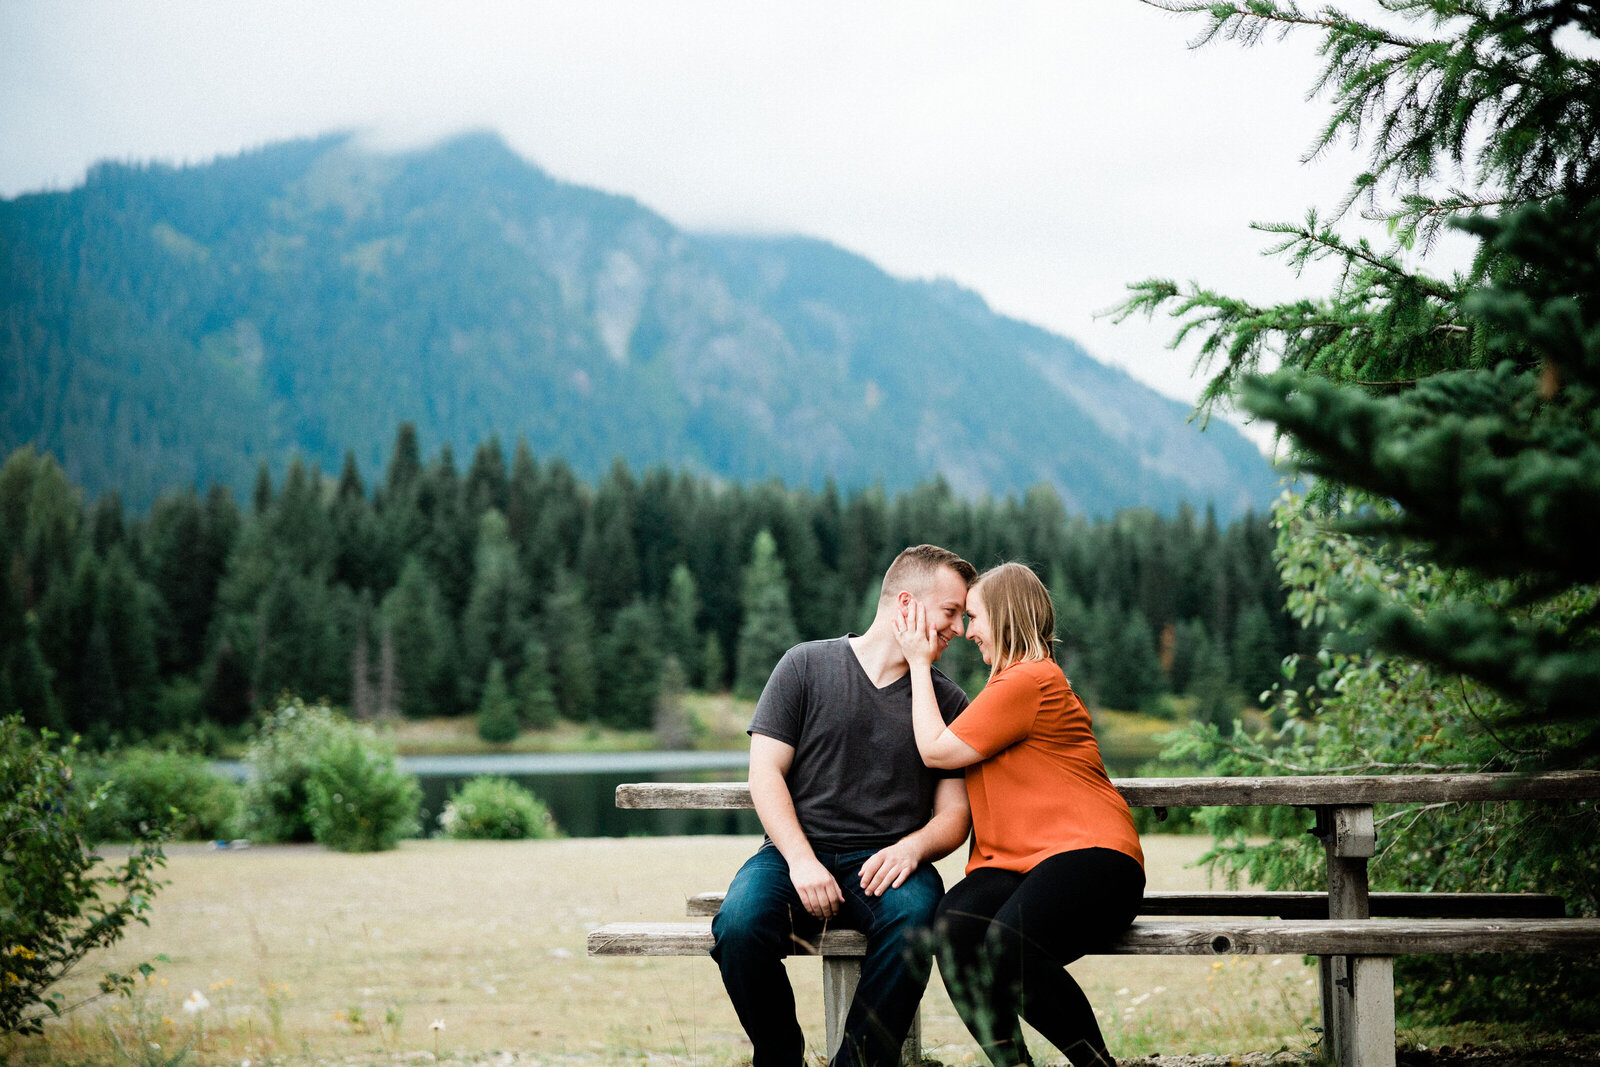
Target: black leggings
1004, 940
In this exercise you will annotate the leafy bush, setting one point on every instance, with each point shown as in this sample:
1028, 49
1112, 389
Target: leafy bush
1361, 713
359, 799
281, 758
51, 909
496, 809
149, 790
315, 776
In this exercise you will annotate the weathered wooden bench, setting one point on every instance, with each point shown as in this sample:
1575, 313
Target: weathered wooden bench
1355, 934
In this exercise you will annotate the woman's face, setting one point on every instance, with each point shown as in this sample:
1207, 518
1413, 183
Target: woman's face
978, 624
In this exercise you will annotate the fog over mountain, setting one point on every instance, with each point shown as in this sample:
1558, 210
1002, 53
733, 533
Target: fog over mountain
161, 326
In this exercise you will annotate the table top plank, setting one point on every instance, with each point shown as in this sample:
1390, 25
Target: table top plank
1199, 792
1299, 790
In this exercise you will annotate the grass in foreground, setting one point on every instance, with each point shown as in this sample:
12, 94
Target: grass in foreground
303, 956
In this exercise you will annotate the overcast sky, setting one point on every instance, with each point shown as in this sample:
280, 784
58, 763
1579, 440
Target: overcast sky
1043, 154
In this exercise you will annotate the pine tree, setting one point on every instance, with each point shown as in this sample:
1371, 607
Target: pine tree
296, 525
25, 681
1254, 653
405, 462
424, 644
107, 527
713, 666
607, 558
1188, 638
261, 494
569, 631
448, 534
185, 577
681, 634
495, 624
1461, 407
99, 711
225, 688
768, 629
522, 501
358, 558
1216, 698
631, 681
497, 714
125, 610
1131, 674
487, 485
534, 688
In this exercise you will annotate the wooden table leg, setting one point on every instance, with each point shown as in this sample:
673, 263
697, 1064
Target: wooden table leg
1357, 992
840, 975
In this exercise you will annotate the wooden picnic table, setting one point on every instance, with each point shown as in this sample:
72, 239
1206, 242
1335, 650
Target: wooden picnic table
1356, 951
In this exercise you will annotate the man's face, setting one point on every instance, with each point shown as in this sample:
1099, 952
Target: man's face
945, 601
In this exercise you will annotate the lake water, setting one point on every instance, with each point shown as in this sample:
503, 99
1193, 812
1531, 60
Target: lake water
580, 788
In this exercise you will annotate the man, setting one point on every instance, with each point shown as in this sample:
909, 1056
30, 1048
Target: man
854, 821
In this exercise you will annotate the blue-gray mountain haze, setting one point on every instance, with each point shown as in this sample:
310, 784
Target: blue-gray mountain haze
164, 326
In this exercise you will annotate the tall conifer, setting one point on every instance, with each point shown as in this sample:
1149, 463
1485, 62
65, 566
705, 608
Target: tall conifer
768, 629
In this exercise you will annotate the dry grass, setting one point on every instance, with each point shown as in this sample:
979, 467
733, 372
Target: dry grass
721, 720
311, 956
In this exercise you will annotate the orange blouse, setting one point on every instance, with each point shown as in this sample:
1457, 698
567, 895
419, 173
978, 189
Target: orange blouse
1041, 788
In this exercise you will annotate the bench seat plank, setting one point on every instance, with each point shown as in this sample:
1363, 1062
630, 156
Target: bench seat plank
1309, 937
1311, 905
694, 939
1360, 937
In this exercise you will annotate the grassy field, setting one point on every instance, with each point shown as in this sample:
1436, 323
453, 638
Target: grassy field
720, 721
307, 956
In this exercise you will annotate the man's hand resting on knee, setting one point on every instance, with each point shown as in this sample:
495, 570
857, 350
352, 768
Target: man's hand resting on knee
818, 890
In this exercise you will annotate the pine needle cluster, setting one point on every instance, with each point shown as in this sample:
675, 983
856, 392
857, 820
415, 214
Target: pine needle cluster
1462, 411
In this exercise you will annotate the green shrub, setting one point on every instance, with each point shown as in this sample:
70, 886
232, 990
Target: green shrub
496, 809
359, 799
150, 790
315, 776
52, 913
281, 758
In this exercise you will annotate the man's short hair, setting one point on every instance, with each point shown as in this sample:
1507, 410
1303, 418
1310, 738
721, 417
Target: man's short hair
915, 568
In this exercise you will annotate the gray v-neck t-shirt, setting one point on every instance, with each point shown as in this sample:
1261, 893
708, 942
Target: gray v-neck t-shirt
857, 779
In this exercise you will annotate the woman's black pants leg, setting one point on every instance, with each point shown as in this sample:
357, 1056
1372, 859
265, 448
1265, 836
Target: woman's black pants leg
1005, 940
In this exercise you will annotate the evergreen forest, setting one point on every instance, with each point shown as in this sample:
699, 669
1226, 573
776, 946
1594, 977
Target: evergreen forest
429, 590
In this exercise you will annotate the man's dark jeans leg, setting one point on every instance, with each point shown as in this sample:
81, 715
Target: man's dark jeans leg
895, 970
753, 930
758, 924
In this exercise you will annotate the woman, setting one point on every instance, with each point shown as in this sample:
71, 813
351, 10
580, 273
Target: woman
1056, 870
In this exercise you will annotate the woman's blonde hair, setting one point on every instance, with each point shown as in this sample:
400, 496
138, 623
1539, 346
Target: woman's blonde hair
1022, 619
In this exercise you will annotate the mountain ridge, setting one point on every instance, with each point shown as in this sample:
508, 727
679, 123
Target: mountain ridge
165, 325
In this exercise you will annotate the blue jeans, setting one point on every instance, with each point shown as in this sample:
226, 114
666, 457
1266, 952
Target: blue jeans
757, 926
